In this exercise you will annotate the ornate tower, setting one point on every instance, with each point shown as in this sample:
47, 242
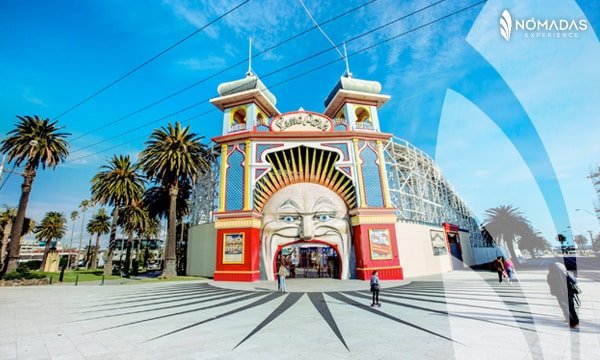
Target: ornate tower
356, 102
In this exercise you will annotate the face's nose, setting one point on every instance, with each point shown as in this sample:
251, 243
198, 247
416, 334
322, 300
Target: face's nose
307, 227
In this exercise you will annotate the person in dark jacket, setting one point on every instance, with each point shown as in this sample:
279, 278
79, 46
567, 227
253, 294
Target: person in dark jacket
375, 288
499, 267
561, 285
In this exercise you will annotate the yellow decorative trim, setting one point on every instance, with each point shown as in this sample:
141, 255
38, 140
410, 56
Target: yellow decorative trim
238, 224
380, 268
234, 110
223, 177
367, 220
359, 177
387, 202
293, 166
237, 272
247, 190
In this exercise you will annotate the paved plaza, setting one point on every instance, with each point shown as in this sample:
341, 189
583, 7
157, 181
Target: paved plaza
459, 315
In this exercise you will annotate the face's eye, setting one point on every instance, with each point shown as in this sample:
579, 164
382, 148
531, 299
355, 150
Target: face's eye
323, 217
289, 219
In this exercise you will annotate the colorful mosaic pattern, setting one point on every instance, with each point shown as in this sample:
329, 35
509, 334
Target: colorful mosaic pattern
234, 193
371, 179
343, 147
261, 148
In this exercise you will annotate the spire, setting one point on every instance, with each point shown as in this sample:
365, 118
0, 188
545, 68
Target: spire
348, 73
249, 72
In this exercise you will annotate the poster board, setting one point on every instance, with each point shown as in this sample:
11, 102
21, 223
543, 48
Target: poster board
381, 244
438, 243
233, 248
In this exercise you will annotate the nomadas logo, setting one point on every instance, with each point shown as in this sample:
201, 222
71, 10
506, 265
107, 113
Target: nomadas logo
540, 28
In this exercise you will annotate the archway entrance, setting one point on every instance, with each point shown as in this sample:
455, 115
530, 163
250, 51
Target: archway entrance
309, 260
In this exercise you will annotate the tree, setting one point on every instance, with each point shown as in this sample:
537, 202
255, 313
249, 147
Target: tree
171, 155
504, 223
83, 206
99, 225
117, 184
531, 240
34, 142
580, 240
561, 239
53, 226
150, 231
596, 243
133, 219
74, 217
7, 217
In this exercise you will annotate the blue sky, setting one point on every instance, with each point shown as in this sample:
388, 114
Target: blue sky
54, 54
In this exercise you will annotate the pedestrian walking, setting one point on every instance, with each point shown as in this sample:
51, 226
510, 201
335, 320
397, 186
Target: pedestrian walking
510, 271
375, 288
282, 274
564, 286
499, 267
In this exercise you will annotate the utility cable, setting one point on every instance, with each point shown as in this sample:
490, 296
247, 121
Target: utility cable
320, 29
298, 75
106, 87
309, 57
220, 72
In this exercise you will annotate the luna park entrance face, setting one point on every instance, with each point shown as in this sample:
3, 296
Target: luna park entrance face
309, 260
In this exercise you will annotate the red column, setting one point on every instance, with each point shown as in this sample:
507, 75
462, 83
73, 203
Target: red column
234, 267
372, 252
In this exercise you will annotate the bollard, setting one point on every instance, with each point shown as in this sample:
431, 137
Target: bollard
102, 283
76, 279
51, 278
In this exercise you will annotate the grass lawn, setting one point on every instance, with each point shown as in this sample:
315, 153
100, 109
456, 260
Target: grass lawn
84, 275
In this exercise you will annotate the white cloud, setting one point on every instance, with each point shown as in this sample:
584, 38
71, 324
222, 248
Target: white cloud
29, 97
205, 63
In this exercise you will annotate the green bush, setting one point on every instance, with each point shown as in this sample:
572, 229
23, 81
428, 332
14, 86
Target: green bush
23, 272
32, 264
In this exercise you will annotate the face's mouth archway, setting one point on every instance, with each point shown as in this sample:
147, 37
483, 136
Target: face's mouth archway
309, 259
305, 212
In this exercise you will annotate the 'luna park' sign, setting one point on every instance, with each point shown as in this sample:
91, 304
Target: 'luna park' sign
301, 121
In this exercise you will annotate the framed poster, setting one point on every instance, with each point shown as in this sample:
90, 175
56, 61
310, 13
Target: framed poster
233, 248
381, 244
438, 243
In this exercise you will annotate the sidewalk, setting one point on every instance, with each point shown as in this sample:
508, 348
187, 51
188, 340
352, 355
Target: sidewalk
459, 315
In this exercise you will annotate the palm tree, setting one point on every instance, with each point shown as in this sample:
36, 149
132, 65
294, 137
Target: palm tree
580, 240
173, 154
74, 217
34, 142
53, 226
117, 184
132, 219
151, 230
99, 225
83, 206
7, 216
504, 223
157, 200
531, 240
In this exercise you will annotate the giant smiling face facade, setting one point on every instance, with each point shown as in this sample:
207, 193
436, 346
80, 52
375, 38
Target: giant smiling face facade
305, 212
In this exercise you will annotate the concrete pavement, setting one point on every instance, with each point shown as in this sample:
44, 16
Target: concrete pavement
459, 315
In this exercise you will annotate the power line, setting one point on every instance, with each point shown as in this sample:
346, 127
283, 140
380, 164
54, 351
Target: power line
161, 100
290, 78
309, 57
106, 87
7, 176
